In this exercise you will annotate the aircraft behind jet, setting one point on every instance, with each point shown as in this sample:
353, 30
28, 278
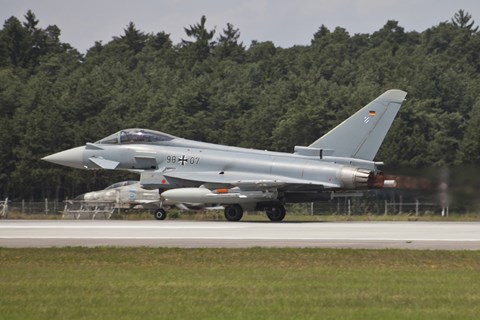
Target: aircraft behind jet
130, 195
193, 172
125, 194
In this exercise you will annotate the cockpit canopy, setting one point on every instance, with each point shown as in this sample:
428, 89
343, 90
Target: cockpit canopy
121, 184
136, 136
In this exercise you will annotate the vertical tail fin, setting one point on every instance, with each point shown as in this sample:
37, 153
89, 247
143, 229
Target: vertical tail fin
361, 135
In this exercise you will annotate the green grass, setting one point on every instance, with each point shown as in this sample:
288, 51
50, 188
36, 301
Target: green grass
260, 216
161, 283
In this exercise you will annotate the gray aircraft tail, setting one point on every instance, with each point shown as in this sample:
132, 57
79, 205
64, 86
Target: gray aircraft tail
361, 135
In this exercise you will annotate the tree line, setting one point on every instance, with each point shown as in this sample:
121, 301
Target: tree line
212, 87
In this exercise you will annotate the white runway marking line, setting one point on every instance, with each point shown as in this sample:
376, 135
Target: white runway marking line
232, 238
119, 227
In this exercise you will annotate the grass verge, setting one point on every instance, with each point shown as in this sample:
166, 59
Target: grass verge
260, 216
163, 283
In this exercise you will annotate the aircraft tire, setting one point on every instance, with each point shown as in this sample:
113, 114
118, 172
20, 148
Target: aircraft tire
276, 213
233, 212
160, 214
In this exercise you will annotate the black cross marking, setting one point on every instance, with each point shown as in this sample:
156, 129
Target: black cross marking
182, 160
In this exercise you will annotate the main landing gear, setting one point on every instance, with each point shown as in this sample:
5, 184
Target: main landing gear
234, 212
276, 212
160, 214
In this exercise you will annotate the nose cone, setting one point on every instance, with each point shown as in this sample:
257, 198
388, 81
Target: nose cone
70, 158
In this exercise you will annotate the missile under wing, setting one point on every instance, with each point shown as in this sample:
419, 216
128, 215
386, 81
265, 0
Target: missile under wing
188, 171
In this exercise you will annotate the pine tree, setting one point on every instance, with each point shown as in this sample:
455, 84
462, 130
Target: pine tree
464, 20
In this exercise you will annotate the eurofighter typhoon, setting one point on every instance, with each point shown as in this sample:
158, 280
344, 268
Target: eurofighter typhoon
239, 179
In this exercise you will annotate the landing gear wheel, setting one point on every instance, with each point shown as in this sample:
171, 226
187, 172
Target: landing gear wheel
160, 214
233, 212
276, 213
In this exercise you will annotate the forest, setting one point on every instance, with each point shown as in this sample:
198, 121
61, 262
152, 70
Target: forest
212, 87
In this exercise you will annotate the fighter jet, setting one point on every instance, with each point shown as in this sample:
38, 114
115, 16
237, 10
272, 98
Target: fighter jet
187, 171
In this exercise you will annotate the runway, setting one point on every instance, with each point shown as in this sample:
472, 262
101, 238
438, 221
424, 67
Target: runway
193, 234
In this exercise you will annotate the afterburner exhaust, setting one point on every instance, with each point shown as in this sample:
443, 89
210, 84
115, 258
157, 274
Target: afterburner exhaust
354, 178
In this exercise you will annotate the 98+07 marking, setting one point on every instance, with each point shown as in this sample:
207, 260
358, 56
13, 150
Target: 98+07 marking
183, 160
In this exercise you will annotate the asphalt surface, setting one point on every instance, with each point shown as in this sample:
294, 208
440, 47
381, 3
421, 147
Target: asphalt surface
219, 234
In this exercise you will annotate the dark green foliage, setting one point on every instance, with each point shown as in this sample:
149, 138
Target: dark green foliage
464, 20
470, 145
228, 46
213, 88
199, 49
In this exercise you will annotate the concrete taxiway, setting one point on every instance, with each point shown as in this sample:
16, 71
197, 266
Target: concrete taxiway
374, 235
